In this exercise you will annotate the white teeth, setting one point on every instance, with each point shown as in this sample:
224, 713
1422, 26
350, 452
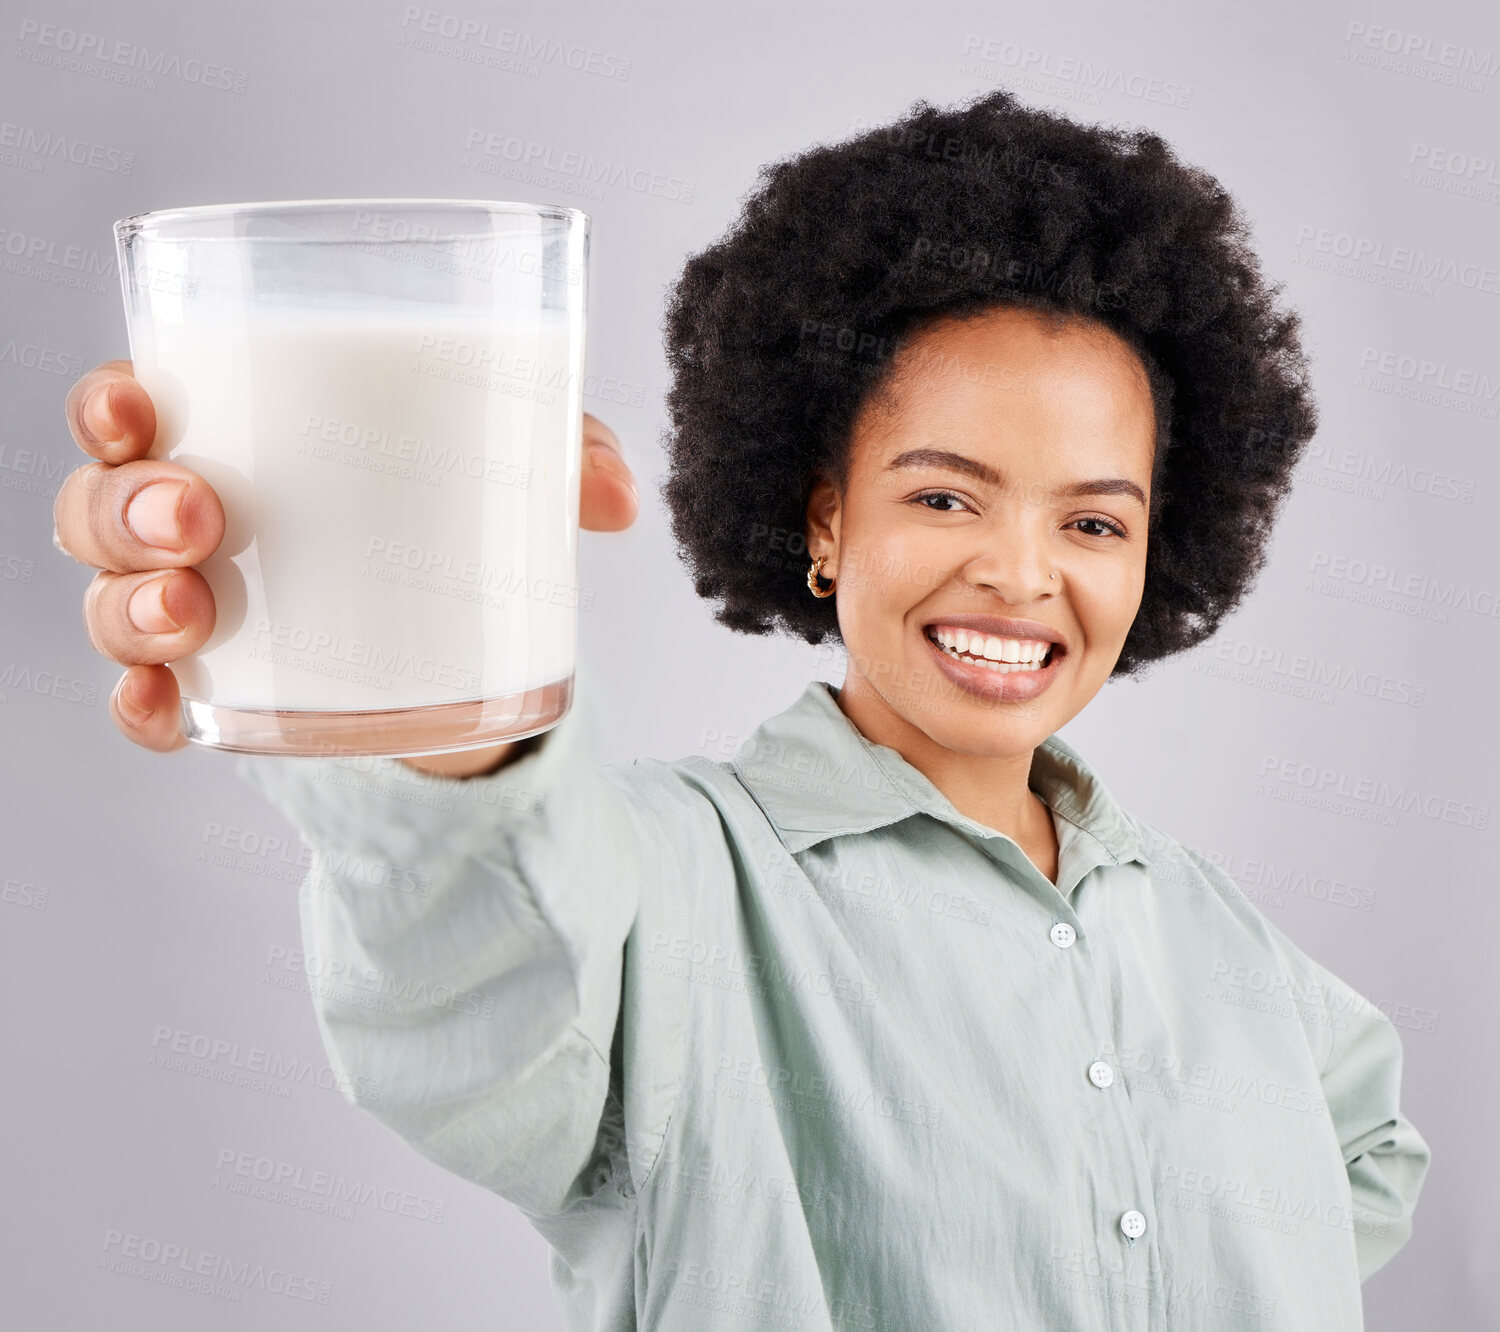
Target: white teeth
997, 654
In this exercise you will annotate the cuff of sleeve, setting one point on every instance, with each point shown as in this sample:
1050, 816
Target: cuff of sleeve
380, 806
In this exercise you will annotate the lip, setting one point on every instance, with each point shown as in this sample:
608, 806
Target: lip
1001, 627
996, 686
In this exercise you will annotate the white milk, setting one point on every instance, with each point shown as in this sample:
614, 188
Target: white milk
401, 496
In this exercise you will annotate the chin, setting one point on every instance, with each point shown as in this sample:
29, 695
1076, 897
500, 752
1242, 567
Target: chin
997, 738
960, 722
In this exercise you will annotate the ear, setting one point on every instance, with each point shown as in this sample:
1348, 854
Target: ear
824, 518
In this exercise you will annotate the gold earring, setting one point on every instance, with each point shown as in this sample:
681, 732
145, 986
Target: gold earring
813, 575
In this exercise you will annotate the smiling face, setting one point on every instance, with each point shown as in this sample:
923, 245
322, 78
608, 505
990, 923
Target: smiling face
1006, 449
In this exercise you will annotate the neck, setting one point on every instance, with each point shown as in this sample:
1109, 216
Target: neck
990, 789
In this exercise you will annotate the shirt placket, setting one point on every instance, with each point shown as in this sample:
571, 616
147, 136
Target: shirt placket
1124, 1229
1128, 1227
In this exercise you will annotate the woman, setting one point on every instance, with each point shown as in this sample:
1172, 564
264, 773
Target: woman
890, 1017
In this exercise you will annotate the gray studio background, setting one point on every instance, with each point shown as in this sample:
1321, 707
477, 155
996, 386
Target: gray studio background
1312, 748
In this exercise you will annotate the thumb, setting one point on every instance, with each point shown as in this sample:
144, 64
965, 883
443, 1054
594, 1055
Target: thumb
608, 500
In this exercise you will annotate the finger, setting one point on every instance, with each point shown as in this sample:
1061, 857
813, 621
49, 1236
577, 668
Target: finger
608, 499
145, 704
150, 514
147, 619
110, 414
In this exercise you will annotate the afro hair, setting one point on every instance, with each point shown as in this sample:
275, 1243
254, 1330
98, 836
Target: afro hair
780, 332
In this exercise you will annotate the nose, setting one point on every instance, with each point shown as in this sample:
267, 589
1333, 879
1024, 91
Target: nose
1016, 567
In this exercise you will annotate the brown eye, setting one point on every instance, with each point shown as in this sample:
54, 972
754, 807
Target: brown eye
1111, 528
936, 494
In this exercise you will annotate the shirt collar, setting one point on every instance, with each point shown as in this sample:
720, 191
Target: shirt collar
816, 775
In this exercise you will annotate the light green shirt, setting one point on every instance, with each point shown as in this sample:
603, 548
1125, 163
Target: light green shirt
784, 1040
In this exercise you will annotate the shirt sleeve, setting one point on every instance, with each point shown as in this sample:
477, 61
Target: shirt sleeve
1385, 1156
1359, 1060
463, 939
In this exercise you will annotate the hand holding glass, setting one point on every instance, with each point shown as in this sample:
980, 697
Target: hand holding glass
386, 395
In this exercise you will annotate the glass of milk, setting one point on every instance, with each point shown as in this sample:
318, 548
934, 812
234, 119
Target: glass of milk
386, 394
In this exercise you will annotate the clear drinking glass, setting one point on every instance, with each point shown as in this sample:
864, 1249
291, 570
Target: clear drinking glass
387, 395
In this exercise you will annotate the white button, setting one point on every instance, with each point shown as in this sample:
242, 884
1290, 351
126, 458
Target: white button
1133, 1224
1063, 934
1100, 1073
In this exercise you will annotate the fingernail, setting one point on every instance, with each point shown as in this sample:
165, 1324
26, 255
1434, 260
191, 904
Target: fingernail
152, 513
133, 713
98, 420
147, 608
605, 458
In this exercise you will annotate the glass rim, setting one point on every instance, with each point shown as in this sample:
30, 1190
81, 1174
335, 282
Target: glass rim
150, 222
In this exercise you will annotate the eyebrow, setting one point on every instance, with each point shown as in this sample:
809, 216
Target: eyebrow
956, 462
